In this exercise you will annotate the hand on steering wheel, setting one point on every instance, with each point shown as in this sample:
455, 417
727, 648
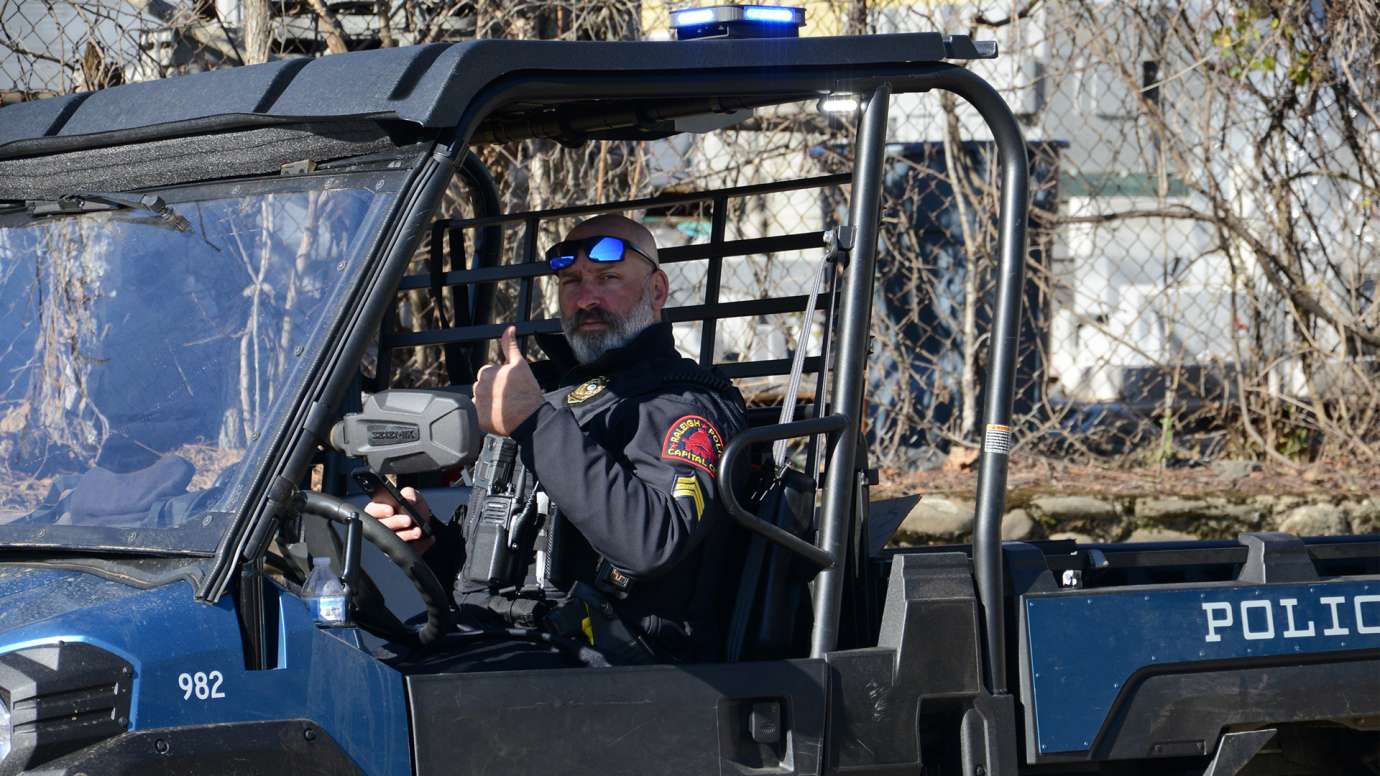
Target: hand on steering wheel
438, 615
388, 512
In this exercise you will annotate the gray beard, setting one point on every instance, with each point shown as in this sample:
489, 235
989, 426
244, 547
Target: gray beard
589, 346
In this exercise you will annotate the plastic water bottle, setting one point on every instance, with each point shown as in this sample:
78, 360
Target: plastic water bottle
323, 593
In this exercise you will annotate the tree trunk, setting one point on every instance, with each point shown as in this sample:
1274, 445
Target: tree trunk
336, 42
258, 32
383, 8
954, 165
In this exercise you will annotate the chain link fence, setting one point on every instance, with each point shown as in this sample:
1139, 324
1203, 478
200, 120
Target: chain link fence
1202, 271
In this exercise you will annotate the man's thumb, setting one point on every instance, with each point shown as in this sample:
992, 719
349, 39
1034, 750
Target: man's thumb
511, 352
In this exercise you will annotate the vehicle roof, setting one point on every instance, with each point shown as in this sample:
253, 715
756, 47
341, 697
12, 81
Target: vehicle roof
428, 86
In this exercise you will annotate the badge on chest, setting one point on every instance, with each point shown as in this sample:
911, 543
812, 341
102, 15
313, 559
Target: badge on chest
586, 391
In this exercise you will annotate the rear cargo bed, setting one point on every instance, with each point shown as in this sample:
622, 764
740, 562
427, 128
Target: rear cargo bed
1153, 650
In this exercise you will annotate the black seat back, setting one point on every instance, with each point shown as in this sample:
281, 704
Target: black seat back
772, 609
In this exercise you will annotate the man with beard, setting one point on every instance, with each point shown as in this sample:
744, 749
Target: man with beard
626, 443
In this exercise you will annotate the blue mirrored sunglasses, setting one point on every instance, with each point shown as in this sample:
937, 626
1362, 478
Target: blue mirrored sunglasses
600, 248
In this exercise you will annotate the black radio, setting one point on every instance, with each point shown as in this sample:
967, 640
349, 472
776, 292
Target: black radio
502, 519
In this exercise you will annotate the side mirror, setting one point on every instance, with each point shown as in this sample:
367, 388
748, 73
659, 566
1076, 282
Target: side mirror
411, 432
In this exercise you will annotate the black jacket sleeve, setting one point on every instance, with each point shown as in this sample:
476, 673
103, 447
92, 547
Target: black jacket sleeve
642, 508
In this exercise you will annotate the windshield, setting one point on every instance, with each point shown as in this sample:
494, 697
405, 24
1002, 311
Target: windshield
147, 361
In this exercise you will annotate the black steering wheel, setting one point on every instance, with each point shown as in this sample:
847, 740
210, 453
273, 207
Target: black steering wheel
438, 615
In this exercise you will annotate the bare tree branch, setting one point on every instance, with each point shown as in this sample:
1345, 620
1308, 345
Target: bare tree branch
336, 40
212, 37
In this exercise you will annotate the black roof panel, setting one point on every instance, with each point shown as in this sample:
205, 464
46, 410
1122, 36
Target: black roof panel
36, 119
241, 90
382, 82
426, 85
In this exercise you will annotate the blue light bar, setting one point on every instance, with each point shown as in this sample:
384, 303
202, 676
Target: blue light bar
772, 14
738, 21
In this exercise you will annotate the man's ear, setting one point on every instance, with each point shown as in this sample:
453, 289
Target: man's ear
661, 290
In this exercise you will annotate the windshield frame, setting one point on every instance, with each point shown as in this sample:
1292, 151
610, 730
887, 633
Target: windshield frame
206, 534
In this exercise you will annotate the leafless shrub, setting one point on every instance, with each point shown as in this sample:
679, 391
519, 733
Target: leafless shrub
1202, 274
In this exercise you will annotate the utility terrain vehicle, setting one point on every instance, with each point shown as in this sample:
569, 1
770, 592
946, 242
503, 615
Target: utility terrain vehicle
194, 271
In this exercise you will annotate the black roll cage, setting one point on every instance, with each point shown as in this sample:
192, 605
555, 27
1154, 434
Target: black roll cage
413, 218
445, 233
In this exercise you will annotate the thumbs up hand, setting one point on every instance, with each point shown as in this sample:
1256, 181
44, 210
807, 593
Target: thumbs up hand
506, 394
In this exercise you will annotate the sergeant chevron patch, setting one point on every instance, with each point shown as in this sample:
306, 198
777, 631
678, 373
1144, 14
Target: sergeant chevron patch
694, 440
689, 487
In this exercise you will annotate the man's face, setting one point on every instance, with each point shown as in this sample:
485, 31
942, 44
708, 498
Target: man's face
606, 305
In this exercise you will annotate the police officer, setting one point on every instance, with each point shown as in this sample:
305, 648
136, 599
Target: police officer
627, 445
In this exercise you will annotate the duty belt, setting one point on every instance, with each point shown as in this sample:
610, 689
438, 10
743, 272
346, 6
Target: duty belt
586, 615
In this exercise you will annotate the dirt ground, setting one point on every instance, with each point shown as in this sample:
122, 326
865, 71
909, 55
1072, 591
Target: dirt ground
1235, 479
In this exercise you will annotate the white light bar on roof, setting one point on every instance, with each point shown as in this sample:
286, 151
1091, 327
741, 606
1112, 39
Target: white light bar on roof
839, 103
737, 21
692, 17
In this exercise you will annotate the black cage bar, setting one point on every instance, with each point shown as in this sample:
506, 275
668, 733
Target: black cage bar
789, 83
447, 237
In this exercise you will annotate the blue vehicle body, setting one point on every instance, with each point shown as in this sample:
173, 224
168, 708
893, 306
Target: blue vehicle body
1087, 648
320, 675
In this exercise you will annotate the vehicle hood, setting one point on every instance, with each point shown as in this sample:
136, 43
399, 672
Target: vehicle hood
33, 594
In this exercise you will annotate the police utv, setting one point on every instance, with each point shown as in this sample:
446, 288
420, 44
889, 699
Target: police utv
152, 617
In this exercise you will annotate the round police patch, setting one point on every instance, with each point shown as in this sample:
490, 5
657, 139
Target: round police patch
695, 441
587, 390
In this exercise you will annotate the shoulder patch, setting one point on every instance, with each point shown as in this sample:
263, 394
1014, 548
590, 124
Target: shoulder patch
695, 441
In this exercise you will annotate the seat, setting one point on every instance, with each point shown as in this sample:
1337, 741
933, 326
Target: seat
771, 613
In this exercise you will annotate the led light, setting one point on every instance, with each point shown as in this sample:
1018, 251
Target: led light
760, 13
839, 103
692, 18
5, 731
738, 21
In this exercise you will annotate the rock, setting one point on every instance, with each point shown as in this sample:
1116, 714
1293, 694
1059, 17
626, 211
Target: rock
1315, 520
1081, 538
1159, 535
1234, 470
1214, 517
1074, 509
1227, 519
1285, 503
1364, 515
939, 517
1079, 514
1017, 525
1159, 510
